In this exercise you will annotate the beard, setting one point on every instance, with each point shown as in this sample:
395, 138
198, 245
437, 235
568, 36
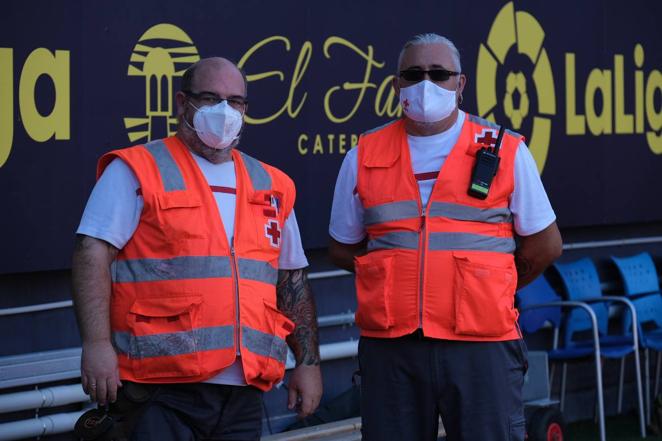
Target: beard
190, 138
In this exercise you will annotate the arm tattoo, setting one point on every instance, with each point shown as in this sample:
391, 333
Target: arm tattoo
295, 300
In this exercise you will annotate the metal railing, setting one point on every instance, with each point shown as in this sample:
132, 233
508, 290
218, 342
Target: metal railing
50, 366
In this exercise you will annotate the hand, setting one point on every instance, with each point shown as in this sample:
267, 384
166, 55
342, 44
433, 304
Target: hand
99, 372
305, 389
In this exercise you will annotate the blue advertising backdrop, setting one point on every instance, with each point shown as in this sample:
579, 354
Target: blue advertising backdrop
581, 80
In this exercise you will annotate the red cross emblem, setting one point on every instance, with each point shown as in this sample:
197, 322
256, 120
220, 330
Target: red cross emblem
486, 137
272, 232
405, 104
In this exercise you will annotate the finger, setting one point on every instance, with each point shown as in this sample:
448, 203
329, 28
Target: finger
85, 384
92, 388
102, 392
307, 407
315, 402
292, 395
117, 378
112, 389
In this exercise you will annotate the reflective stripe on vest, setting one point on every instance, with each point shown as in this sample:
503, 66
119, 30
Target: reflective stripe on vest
257, 270
202, 339
400, 239
392, 211
174, 343
264, 344
171, 177
470, 242
468, 213
482, 121
260, 178
176, 268
408, 240
401, 210
190, 267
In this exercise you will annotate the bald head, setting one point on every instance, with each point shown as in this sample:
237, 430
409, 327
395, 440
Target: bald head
207, 83
213, 66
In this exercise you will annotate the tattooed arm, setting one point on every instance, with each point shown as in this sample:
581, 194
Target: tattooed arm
91, 292
295, 300
536, 252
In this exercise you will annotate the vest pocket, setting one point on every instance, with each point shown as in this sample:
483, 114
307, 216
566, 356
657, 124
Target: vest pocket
276, 353
484, 297
180, 214
268, 214
374, 281
163, 341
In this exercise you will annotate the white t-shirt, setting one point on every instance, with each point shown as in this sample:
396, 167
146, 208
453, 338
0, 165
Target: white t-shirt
529, 203
113, 211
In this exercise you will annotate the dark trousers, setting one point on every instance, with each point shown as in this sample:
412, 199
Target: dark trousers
201, 411
408, 382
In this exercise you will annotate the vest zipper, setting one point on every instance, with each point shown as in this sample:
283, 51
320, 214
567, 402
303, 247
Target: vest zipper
422, 272
235, 281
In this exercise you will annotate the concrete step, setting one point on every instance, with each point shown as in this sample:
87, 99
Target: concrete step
344, 430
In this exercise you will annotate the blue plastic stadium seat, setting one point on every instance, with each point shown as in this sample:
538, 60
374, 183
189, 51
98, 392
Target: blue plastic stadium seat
536, 293
540, 305
642, 286
581, 283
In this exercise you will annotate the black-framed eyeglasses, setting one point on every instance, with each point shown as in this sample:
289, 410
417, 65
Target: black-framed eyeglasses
211, 99
437, 75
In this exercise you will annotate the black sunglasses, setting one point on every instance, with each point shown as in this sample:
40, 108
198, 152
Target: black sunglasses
437, 75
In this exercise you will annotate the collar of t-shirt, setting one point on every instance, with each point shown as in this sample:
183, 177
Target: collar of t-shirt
223, 182
428, 153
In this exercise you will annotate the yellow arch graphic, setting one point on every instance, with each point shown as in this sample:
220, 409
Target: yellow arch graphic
166, 31
162, 53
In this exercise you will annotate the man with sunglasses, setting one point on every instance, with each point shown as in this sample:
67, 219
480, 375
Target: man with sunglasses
189, 275
426, 211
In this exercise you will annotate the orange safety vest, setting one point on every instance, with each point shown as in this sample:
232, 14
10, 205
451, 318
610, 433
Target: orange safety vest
446, 268
185, 300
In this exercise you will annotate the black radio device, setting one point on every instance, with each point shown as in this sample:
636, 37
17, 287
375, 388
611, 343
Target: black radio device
485, 168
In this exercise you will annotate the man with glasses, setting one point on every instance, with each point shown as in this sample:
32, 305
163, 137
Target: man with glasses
426, 211
188, 275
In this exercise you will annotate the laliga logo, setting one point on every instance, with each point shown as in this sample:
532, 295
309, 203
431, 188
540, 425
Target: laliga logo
502, 86
163, 52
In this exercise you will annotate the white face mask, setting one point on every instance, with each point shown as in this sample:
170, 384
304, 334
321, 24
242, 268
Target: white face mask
427, 102
217, 126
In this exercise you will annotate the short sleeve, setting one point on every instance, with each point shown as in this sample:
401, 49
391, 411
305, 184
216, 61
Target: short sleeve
532, 211
113, 210
346, 224
292, 255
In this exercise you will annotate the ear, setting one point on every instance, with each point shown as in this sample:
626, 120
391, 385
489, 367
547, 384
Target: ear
180, 99
461, 82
